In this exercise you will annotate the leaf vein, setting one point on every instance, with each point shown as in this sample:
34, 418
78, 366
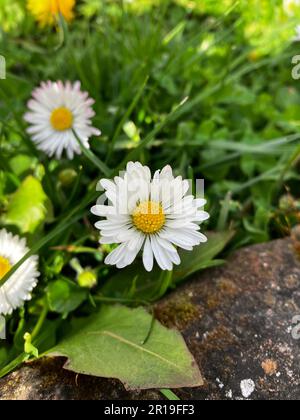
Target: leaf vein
136, 346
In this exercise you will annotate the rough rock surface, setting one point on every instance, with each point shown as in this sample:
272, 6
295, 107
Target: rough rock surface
237, 321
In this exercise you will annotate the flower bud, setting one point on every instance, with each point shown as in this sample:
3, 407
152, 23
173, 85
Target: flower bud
87, 279
67, 177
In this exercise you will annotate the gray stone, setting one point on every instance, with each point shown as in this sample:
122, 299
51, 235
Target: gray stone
240, 324
237, 321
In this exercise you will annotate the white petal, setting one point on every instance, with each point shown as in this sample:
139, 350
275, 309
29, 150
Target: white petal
160, 255
201, 216
116, 255
200, 202
174, 257
131, 254
148, 255
100, 210
166, 244
167, 173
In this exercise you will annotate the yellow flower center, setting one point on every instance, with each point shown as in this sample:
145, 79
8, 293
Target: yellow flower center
149, 217
5, 266
47, 11
61, 119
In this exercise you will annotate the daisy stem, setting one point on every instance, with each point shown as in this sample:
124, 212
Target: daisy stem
40, 321
92, 157
63, 32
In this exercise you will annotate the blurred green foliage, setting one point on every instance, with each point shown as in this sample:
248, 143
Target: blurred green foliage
231, 59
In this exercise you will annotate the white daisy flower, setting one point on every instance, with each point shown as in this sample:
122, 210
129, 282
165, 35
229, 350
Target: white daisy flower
55, 110
153, 214
18, 287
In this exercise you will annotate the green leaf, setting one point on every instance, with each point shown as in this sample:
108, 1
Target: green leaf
28, 206
20, 164
108, 345
65, 296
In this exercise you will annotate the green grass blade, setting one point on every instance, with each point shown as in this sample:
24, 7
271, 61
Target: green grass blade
126, 116
169, 395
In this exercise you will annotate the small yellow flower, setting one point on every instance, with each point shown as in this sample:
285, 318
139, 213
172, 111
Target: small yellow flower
46, 12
